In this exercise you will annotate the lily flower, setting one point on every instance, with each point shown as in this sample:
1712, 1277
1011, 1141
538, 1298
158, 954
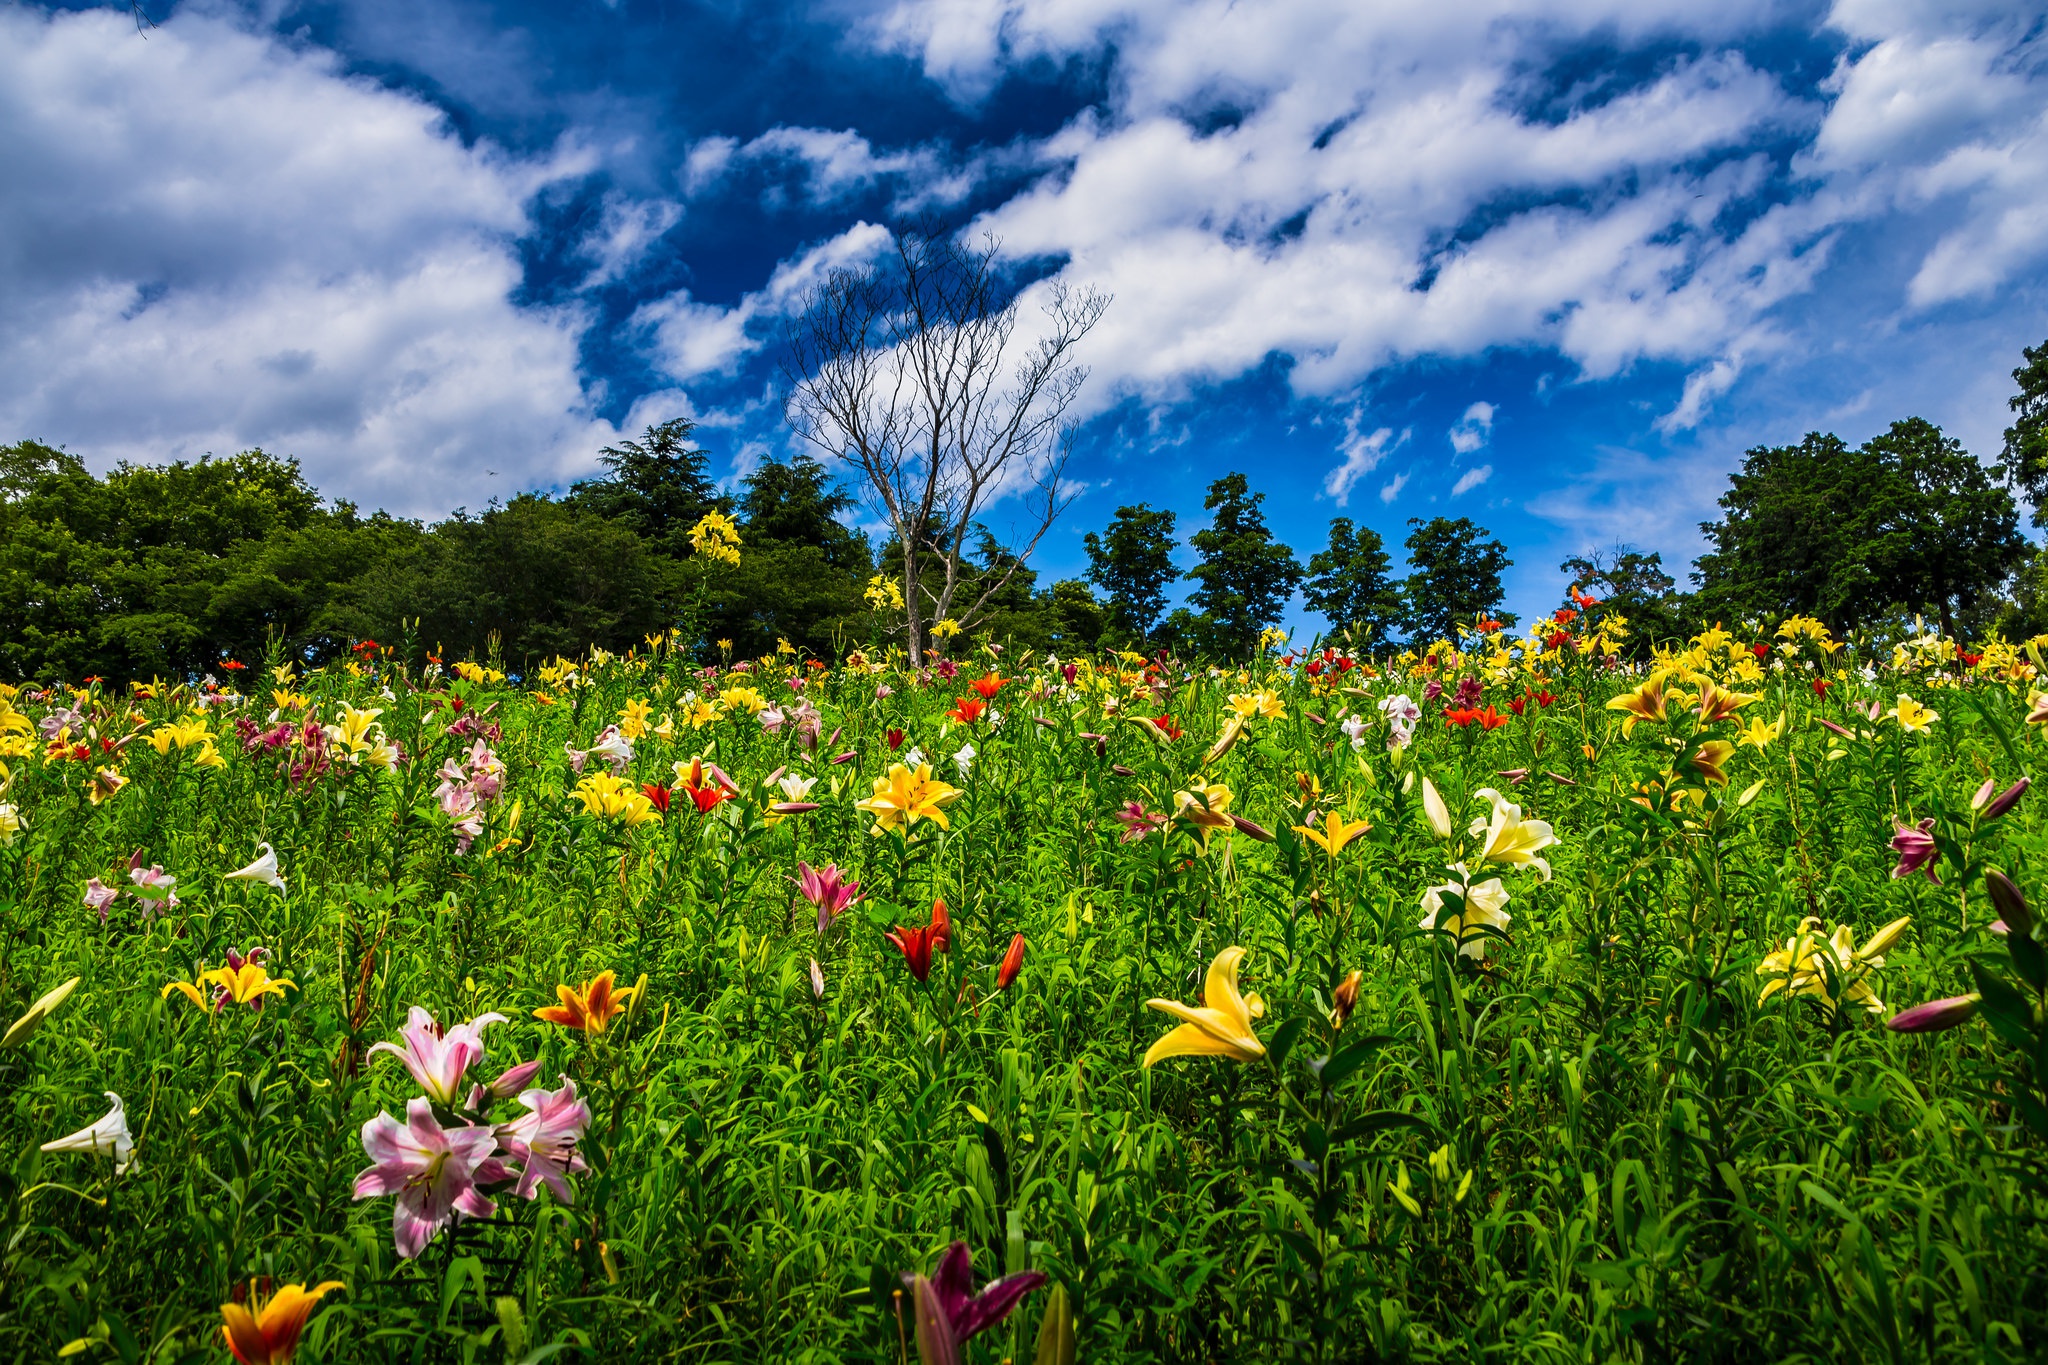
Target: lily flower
906, 795
1344, 1000
1717, 704
1712, 759
264, 869
1206, 806
826, 888
917, 945
110, 1135
1221, 1026
1916, 849
1913, 718
438, 1060
590, 1007
267, 1331
98, 896
543, 1140
950, 1313
1797, 969
1139, 822
1233, 731
1483, 905
1336, 834
434, 1171
1645, 702
1509, 838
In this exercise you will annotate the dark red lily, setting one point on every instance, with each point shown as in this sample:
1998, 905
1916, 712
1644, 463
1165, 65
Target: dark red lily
657, 794
918, 945
950, 1313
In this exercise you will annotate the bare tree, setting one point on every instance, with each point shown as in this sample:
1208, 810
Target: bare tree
915, 374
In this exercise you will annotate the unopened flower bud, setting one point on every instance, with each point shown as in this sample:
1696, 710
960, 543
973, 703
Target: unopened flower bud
1935, 1015
1346, 999
1013, 962
2010, 901
1253, 828
2007, 799
515, 1080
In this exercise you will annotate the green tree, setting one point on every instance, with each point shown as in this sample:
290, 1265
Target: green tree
1634, 585
1132, 561
659, 486
2026, 440
801, 569
1349, 585
1945, 537
1793, 537
1453, 577
1246, 576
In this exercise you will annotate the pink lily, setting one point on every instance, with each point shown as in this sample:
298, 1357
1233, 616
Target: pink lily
824, 888
437, 1060
98, 896
543, 1140
1139, 822
434, 1171
1916, 850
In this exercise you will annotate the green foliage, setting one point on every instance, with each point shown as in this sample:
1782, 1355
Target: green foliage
657, 487
1245, 575
1906, 523
1132, 561
1348, 583
1453, 577
2026, 440
1634, 585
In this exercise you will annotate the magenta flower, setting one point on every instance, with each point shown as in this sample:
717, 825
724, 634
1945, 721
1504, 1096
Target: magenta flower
437, 1060
506, 1086
154, 887
1936, 1015
1915, 847
434, 1171
950, 1313
826, 888
1139, 822
543, 1140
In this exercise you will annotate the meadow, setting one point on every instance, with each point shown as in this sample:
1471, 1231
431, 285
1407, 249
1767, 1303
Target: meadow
1501, 1000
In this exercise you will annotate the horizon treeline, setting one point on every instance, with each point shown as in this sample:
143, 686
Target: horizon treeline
171, 569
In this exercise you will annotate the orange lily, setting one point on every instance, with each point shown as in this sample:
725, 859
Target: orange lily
267, 1332
590, 1008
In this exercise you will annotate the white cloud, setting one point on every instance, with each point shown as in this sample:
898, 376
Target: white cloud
832, 164
1472, 431
1392, 488
690, 339
629, 228
1471, 479
1385, 188
210, 241
1362, 454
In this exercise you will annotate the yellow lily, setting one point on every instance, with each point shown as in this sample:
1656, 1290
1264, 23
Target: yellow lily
902, 798
1719, 704
633, 720
1646, 702
1221, 1026
1711, 762
615, 798
1336, 834
1206, 806
1798, 970
244, 985
267, 1331
1759, 734
1912, 717
1264, 704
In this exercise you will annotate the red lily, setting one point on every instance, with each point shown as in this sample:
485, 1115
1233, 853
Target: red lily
1167, 727
1490, 719
918, 945
966, 710
706, 791
895, 738
1460, 716
658, 794
988, 685
1519, 705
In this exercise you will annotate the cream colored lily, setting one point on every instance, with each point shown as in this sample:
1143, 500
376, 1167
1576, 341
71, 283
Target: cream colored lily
264, 870
1511, 840
1221, 1026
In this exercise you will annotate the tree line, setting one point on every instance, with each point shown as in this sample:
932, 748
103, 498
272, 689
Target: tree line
172, 569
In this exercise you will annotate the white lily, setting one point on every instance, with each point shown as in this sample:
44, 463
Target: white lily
264, 869
109, 1135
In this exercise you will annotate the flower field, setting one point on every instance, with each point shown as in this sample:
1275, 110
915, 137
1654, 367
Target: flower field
1505, 1000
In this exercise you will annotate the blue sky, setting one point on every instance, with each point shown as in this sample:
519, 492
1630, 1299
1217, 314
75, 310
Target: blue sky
1551, 264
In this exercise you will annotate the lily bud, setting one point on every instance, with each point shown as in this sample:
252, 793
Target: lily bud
1983, 794
794, 807
817, 980
846, 757
514, 1080
1843, 732
1253, 828
2011, 903
1013, 962
25, 1027
1435, 811
1936, 1015
2007, 799
1121, 771
1345, 1000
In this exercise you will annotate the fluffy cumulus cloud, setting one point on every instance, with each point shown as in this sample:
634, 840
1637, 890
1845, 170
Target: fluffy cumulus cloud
1355, 186
210, 240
